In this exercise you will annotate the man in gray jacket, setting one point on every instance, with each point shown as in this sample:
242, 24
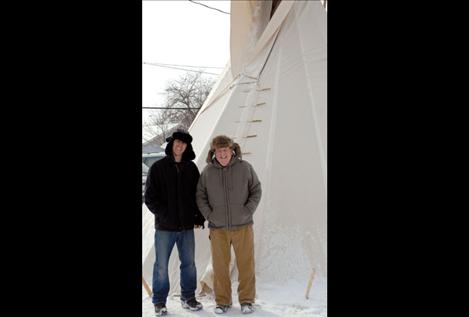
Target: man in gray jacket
228, 193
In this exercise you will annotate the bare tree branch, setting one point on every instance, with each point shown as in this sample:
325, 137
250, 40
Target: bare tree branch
188, 92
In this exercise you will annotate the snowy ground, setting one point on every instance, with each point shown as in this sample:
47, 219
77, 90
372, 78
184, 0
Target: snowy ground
272, 300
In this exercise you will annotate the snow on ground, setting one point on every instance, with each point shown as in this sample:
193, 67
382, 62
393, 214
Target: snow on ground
272, 300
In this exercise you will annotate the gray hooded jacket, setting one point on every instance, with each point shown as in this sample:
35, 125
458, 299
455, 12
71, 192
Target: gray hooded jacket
228, 196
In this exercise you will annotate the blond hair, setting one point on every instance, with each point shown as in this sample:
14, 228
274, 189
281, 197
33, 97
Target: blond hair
223, 141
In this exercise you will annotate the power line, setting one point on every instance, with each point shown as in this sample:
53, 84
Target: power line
182, 65
169, 108
201, 5
208, 7
179, 68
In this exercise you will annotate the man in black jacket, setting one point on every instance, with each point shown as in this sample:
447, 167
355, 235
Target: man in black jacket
170, 196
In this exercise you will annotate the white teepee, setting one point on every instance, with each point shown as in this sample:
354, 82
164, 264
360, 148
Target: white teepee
271, 98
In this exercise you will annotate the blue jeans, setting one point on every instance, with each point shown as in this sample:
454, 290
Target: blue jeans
164, 244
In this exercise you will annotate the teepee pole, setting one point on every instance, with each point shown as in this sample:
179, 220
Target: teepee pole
310, 282
147, 288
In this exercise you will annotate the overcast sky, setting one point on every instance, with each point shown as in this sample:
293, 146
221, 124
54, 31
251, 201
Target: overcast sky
182, 33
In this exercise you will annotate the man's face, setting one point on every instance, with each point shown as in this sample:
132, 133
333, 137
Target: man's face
179, 147
223, 155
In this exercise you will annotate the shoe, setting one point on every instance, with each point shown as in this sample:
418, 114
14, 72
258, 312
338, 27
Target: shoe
191, 304
160, 310
246, 308
221, 309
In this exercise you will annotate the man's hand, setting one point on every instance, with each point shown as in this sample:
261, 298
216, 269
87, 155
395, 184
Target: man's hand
197, 226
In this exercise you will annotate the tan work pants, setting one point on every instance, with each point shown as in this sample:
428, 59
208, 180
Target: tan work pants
242, 240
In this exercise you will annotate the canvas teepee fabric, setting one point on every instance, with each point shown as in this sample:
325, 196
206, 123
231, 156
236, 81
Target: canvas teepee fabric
271, 99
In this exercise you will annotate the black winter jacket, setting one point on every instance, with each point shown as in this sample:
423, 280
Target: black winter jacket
170, 194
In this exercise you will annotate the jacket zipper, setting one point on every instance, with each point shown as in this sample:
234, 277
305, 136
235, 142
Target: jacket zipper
178, 189
226, 199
